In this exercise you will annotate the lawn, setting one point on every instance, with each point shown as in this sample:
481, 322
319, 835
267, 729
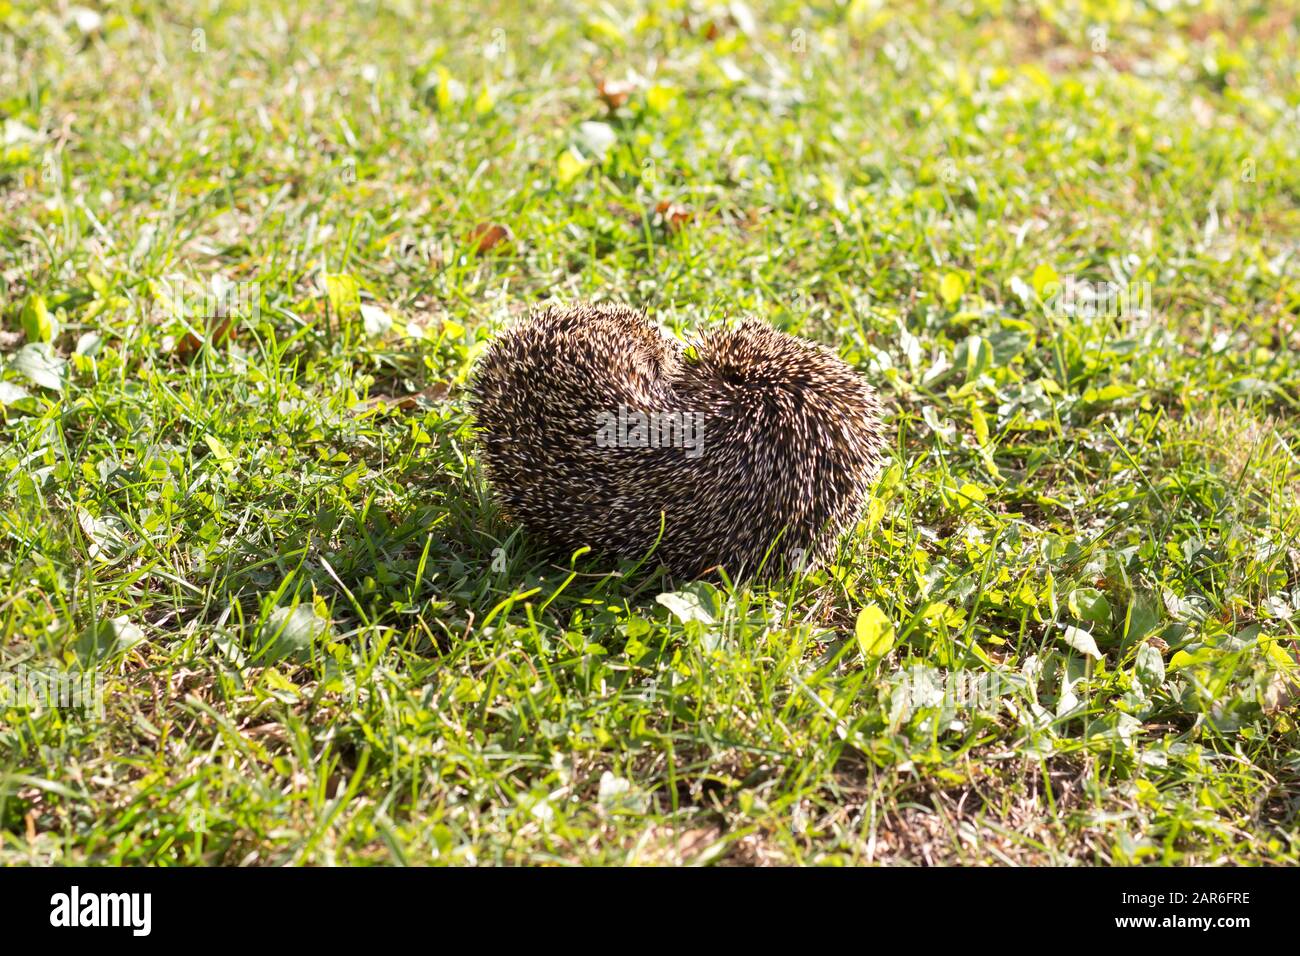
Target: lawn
252, 250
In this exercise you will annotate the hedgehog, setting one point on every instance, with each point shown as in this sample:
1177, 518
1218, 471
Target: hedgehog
750, 451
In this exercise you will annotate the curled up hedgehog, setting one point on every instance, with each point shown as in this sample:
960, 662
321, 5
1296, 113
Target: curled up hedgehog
750, 452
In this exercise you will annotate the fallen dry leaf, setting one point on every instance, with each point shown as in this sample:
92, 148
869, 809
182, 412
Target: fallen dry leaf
669, 846
188, 345
672, 215
436, 392
615, 93
708, 30
274, 731
487, 235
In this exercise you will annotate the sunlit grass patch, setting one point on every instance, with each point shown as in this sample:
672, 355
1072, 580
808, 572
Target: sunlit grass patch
250, 256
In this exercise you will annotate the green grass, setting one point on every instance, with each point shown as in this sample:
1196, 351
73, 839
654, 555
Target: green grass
271, 539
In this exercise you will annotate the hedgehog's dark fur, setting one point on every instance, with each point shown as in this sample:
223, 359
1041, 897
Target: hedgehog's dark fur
792, 438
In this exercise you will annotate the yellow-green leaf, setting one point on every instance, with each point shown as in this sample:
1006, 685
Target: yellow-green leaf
660, 98
218, 447
1108, 393
600, 28
1043, 277
225, 460
980, 423
344, 293
951, 288
569, 167
875, 632
444, 89
38, 324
